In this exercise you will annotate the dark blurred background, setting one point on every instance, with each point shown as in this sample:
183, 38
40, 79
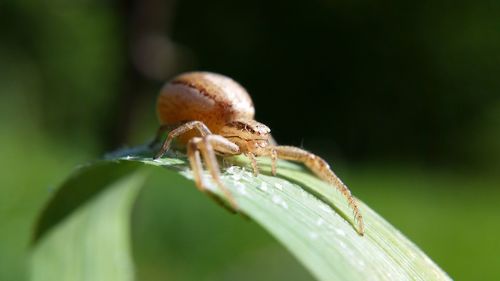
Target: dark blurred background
403, 98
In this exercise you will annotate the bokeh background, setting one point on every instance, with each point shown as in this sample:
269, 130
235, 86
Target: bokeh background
401, 97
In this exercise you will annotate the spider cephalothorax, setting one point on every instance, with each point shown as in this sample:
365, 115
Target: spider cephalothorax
250, 135
212, 114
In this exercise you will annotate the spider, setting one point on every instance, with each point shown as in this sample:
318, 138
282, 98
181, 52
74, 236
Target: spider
211, 114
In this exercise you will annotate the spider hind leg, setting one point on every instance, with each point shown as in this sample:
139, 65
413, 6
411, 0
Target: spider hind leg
321, 168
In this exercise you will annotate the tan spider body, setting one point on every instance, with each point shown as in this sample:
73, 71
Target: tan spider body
211, 114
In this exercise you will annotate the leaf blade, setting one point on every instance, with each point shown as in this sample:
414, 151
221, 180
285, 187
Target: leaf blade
94, 243
313, 221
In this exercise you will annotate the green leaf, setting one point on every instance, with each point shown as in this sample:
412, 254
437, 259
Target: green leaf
94, 243
309, 217
81, 187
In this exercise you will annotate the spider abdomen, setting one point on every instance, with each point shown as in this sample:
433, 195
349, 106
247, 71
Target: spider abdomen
208, 97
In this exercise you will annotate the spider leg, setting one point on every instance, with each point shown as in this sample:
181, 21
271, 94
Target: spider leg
208, 145
321, 168
255, 167
162, 129
274, 160
193, 154
271, 152
198, 125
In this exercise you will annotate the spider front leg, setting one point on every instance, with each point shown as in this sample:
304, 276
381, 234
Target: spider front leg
274, 160
253, 161
198, 125
267, 152
270, 153
194, 158
322, 170
207, 146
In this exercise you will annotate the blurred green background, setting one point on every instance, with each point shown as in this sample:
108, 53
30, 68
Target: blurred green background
403, 98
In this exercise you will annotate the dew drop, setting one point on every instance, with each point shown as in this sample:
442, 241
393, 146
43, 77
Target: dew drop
232, 170
210, 186
284, 205
325, 208
236, 177
279, 201
340, 232
263, 186
304, 193
278, 186
313, 235
241, 188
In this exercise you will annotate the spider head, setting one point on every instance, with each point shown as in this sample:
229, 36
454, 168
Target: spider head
250, 135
